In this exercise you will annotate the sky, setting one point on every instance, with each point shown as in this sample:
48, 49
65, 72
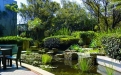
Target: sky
24, 1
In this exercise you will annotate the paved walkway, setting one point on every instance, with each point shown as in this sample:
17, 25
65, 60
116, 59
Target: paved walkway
26, 70
13, 71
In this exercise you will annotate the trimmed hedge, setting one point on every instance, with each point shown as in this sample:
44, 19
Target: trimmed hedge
112, 45
13, 39
60, 41
85, 36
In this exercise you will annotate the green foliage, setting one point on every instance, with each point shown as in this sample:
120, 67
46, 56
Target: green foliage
94, 51
47, 9
63, 31
36, 23
76, 34
111, 44
52, 42
96, 41
23, 34
98, 8
13, 39
87, 36
60, 40
74, 47
109, 70
46, 58
28, 51
69, 40
93, 44
13, 7
32, 59
67, 17
84, 64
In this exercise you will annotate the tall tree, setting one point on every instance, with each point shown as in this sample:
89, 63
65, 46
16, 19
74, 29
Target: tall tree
44, 10
73, 16
106, 11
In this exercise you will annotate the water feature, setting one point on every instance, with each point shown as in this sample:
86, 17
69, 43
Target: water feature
67, 67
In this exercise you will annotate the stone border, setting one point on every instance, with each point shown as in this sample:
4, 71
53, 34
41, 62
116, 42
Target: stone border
104, 60
36, 69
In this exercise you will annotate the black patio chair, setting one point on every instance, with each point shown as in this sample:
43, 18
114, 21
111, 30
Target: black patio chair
0, 60
17, 57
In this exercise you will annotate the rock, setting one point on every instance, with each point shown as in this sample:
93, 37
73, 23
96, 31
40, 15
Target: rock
55, 50
50, 53
71, 55
60, 55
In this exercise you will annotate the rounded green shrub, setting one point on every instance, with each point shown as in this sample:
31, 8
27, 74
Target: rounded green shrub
61, 41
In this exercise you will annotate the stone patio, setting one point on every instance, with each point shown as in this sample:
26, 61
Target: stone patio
25, 69
13, 71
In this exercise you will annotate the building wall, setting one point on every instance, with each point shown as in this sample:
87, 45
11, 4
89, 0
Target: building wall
9, 19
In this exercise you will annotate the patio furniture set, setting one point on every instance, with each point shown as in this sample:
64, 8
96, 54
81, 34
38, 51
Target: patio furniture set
9, 53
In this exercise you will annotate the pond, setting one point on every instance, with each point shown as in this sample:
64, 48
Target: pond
66, 67
61, 66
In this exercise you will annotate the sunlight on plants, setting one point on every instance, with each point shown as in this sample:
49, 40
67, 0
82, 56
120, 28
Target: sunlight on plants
46, 58
84, 64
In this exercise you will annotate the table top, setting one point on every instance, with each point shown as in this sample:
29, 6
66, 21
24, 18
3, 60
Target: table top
3, 49
7, 45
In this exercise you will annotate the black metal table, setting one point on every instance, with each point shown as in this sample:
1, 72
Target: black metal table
5, 52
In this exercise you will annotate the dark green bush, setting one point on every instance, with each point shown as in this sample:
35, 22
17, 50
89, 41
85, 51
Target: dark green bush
112, 45
87, 36
51, 42
61, 41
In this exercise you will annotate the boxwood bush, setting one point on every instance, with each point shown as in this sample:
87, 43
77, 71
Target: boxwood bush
60, 41
112, 45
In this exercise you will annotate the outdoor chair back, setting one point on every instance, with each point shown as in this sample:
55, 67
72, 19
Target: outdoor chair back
17, 57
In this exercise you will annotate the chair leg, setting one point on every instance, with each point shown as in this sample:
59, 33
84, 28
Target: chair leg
0, 62
17, 63
8, 61
20, 61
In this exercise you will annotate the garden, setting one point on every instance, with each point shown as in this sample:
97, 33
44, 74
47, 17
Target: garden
67, 40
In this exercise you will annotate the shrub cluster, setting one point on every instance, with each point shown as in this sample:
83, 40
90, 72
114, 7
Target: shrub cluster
112, 45
51, 42
59, 41
85, 36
